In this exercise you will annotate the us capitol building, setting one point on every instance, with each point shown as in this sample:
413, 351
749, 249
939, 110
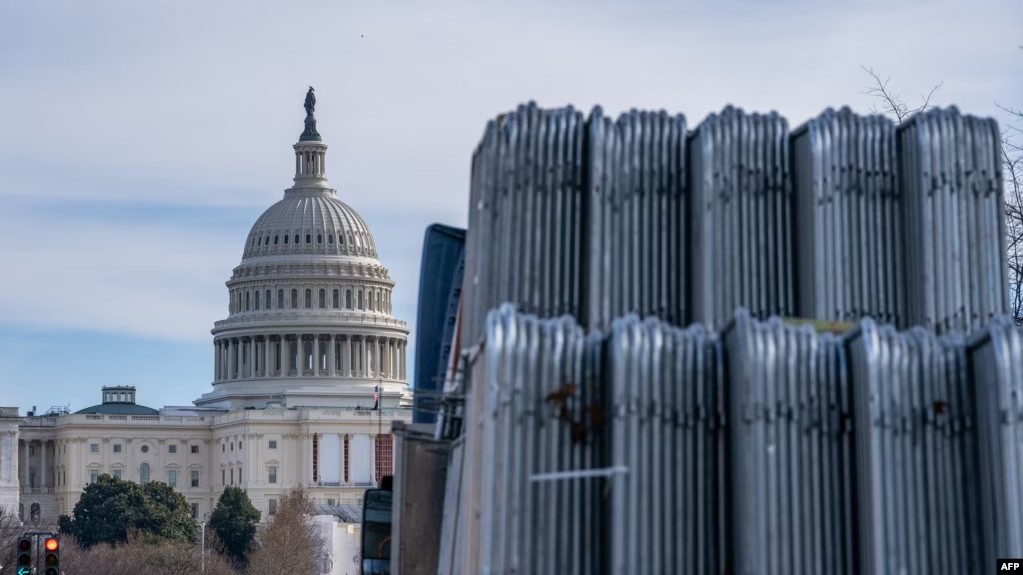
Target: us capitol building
308, 338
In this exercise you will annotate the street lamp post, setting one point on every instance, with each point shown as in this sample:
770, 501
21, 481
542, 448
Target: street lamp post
202, 527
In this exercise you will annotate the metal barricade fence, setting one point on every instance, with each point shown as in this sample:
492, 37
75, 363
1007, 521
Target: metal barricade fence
772, 448
849, 250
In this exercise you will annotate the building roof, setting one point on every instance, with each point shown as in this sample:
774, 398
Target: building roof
118, 408
310, 223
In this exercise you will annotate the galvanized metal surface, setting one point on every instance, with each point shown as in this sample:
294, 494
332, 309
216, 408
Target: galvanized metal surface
849, 246
954, 224
837, 449
771, 449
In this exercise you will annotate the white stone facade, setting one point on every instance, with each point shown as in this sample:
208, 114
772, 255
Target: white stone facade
293, 384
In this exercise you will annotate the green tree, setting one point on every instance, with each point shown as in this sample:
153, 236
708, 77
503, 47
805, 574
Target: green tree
111, 509
234, 521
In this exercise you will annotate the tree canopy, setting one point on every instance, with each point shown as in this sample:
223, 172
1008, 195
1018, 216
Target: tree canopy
234, 521
111, 509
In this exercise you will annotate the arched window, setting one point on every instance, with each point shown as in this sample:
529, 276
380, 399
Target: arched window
269, 298
144, 473
337, 299
330, 239
296, 238
319, 238
275, 239
257, 300
280, 299
294, 299
341, 239
361, 304
323, 298
348, 299
247, 302
309, 298
308, 238
286, 239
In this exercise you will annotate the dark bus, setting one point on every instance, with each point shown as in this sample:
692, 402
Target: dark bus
376, 532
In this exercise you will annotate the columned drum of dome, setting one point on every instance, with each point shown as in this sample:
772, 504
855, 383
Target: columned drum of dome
309, 307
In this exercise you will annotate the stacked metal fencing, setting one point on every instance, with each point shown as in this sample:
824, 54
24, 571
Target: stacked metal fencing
916, 452
741, 213
665, 395
636, 218
770, 449
849, 252
791, 449
951, 186
649, 448
996, 363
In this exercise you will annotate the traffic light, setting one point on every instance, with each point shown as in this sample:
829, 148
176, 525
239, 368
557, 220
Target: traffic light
24, 563
52, 559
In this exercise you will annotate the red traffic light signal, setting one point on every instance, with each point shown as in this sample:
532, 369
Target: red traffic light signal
52, 559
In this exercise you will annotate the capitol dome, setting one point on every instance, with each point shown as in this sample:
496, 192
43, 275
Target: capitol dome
309, 306
310, 223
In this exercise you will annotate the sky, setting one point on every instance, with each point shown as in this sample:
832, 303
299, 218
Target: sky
139, 141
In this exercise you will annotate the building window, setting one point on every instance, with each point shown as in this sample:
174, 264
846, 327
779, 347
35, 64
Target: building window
256, 303
145, 449
273, 506
248, 298
268, 298
348, 299
172, 449
195, 511
239, 475
361, 306
308, 298
296, 238
273, 444
294, 299
223, 477
319, 238
232, 476
172, 478
384, 456
117, 448
223, 448
308, 238
337, 299
331, 502
144, 473
286, 237
195, 478
195, 449
239, 446
273, 474
280, 299
323, 298
117, 474
93, 475
94, 448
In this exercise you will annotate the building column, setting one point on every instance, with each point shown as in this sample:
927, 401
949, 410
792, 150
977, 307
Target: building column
232, 362
43, 462
252, 357
23, 467
346, 356
316, 355
331, 356
282, 355
401, 360
216, 360
267, 353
